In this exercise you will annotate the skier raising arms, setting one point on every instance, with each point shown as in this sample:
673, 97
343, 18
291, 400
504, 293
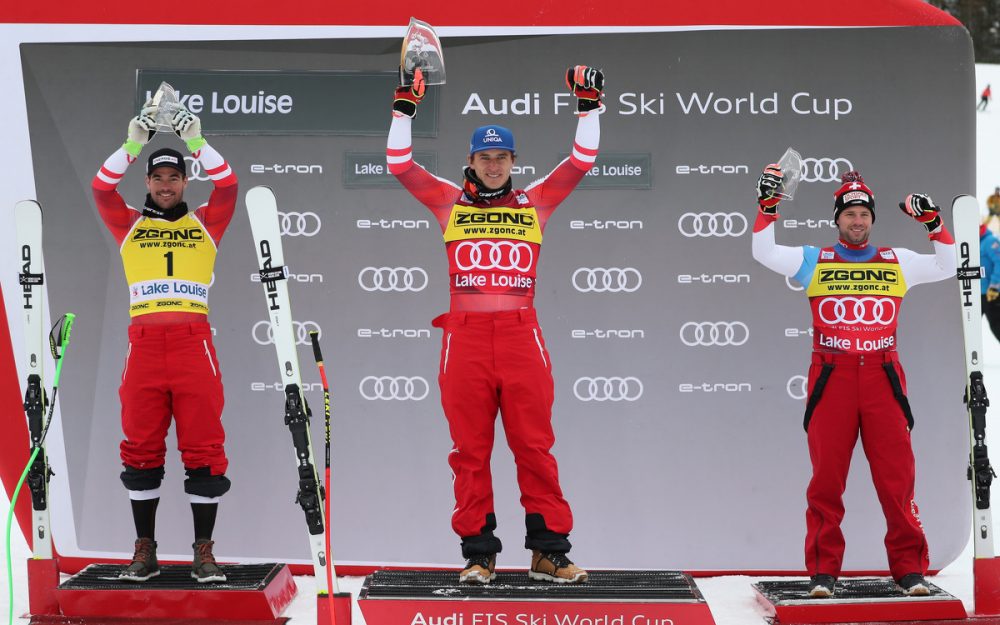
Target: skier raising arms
493, 356
856, 383
170, 368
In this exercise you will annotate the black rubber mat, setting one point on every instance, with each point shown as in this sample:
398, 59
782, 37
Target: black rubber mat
173, 577
852, 589
611, 586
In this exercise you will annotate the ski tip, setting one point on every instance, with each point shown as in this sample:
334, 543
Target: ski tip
961, 197
28, 205
260, 195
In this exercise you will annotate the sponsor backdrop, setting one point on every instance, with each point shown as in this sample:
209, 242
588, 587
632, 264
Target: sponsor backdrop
679, 362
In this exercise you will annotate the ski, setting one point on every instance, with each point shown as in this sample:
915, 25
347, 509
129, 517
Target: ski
262, 209
28, 226
985, 564
965, 212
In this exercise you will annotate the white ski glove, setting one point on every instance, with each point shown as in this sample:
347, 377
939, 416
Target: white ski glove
141, 129
187, 126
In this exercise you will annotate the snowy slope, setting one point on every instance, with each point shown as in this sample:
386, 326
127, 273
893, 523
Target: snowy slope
730, 598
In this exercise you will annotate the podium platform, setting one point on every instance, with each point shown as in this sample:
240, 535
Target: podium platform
861, 600
95, 595
607, 598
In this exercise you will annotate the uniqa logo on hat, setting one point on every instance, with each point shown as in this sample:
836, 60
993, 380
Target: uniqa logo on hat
490, 137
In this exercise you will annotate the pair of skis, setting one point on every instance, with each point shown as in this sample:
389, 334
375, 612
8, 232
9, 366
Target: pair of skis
262, 209
985, 566
31, 279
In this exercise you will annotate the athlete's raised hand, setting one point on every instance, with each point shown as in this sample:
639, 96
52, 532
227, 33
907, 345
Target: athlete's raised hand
922, 208
408, 97
587, 84
187, 126
769, 186
141, 129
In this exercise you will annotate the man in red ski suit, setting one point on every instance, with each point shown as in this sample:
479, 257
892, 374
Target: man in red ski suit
856, 384
171, 369
493, 356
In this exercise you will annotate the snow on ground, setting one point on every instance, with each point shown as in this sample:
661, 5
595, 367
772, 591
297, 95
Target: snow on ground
730, 598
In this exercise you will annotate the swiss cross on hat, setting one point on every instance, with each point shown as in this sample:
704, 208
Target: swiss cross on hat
853, 192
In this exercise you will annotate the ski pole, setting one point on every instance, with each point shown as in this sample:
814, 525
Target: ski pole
331, 575
57, 345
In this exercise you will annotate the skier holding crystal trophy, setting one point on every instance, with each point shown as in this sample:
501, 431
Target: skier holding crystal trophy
856, 386
171, 370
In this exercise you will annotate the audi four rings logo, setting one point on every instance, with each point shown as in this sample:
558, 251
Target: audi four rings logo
712, 224
503, 255
608, 389
607, 279
294, 224
797, 387
195, 170
263, 332
867, 311
714, 333
794, 287
824, 169
387, 388
392, 279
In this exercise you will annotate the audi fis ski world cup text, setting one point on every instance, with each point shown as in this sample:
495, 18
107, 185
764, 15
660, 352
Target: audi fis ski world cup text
521, 618
259, 103
696, 103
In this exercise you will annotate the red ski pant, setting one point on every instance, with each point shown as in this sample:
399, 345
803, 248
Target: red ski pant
490, 362
172, 370
858, 397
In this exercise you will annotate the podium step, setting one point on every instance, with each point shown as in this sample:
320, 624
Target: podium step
855, 601
607, 598
257, 592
